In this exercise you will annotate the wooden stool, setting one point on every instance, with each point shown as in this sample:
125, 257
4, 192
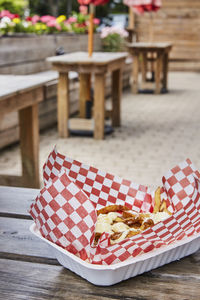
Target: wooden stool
157, 53
98, 65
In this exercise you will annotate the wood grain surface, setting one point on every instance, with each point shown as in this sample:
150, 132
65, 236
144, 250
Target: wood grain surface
97, 58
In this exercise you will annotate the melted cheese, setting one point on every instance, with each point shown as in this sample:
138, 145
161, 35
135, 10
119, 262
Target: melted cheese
159, 216
119, 227
105, 223
121, 238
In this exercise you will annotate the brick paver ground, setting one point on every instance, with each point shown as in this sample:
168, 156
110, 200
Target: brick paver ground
157, 132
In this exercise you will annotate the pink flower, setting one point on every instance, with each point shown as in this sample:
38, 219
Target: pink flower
58, 27
51, 23
47, 18
83, 9
35, 19
71, 20
96, 21
6, 13
112, 30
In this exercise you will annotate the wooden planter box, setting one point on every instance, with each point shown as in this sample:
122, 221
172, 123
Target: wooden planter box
23, 54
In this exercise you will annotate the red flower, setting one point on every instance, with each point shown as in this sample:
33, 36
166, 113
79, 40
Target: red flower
85, 2
95, 2
100, 2
29, 19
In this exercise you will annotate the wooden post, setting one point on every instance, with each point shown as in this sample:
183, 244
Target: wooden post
91, 30
116, 96
144, 66
158, 72
135, 72
151, 38
99, 105
85, 86
29, 142
165, 70
63, 105
131, 19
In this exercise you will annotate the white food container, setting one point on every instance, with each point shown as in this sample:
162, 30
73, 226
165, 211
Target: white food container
108, 275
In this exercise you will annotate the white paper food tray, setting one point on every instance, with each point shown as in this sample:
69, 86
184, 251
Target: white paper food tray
108, 275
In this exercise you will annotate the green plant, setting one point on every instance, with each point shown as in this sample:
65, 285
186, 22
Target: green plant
14, 6
113, 39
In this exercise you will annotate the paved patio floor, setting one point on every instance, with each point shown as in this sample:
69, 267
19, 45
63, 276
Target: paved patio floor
157, 132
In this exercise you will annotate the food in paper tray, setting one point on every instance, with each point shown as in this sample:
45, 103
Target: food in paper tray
121, 223
78, 200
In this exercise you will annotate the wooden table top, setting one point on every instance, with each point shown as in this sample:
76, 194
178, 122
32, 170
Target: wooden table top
97, 58
149, 46
16, 84
29, 271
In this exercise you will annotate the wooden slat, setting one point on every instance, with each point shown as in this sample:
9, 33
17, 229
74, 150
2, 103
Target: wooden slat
38, 281
63, 104
31, 51
81, 124
24, 280
17, 241
11, 85
20, 100
158, 71
29, 146
82, 58
99, 106
11, 180
9, 136
116, 97
16, 201
135, 72
85, 93
8, 121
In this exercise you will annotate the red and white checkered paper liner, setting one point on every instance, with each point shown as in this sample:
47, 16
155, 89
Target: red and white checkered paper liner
65, 209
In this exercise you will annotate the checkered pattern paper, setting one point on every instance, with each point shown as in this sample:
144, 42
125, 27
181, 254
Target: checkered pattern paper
94, 189
65, 215
102, 189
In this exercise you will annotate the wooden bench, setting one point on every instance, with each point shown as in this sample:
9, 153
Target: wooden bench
9, 127
23, 94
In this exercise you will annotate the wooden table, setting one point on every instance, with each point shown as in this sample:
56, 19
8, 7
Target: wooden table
157, 53
29, 271
22, 94
98, 65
